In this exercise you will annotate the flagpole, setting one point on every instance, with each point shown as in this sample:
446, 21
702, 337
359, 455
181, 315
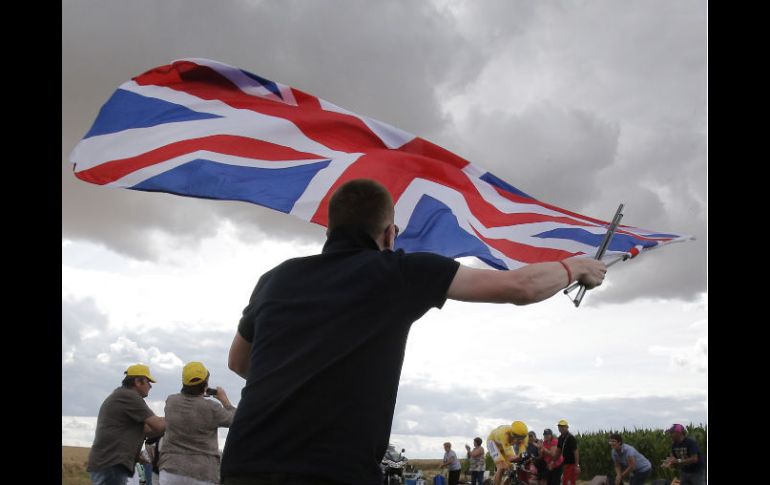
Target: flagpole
600, 253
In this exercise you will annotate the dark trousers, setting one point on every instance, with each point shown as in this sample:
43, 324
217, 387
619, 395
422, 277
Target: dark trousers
697, 478
553, 477
636, 478
477, 478
639, 478
454, 477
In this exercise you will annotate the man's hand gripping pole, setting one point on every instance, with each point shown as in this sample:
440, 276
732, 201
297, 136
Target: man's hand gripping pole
599, 255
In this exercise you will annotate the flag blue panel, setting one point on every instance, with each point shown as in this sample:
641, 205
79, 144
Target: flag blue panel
278, 189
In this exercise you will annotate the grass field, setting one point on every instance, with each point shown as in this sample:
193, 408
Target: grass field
73, 466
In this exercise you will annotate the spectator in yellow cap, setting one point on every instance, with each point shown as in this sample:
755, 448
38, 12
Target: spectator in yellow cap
189, 452
567, 447
124, 421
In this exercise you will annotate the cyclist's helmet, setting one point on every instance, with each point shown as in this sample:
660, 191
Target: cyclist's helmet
519, 428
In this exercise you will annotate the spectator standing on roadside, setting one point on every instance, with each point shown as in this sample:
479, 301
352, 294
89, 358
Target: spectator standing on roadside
123, 422
477, 463
452, 464
569, 449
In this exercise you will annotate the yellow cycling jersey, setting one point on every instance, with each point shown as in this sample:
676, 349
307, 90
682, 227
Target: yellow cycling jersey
510, 449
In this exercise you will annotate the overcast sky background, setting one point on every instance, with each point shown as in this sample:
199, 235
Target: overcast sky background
581, 104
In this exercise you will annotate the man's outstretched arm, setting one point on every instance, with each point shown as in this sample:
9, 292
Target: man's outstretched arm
526, 285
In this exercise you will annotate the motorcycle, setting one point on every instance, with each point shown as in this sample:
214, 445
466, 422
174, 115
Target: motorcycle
392, 466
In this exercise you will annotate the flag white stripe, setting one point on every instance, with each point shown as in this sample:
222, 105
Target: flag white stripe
307, 204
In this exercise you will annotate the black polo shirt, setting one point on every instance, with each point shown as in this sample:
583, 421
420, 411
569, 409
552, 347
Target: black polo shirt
328, 334
568, 444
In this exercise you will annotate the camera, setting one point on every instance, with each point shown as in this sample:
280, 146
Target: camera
211, 392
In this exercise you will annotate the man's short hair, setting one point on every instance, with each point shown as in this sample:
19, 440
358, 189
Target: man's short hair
616, 437
362, 203
128, 381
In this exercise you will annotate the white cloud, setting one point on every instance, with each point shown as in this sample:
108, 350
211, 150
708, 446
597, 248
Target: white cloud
693, 358
125, 352
77, 430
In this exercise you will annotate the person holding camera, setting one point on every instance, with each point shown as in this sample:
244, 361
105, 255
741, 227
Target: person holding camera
190, 452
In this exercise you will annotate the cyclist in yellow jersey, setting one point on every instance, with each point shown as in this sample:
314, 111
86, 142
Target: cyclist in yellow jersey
506, 444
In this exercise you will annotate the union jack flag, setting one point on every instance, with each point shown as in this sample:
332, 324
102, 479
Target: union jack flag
201, 128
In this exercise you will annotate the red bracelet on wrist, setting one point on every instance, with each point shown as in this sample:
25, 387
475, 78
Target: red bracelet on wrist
569, 273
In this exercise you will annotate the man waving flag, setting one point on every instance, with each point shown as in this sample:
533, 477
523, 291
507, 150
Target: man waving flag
201, 128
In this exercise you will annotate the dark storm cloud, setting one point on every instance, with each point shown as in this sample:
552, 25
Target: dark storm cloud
621, 117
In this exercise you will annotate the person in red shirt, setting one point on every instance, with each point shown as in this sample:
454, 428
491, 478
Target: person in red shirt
553, 459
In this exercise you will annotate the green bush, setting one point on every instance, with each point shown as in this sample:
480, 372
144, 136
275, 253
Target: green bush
595, 457
654, 444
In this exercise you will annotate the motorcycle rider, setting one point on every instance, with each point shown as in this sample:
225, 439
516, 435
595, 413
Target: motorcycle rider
506, 444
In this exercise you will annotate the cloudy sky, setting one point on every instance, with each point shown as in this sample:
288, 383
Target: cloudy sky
581, 104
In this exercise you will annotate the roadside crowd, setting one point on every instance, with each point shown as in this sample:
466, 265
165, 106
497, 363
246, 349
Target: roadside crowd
556, 461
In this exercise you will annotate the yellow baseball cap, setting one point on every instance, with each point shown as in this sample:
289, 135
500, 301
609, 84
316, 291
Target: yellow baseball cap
563, 422
137, 370
194, 373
